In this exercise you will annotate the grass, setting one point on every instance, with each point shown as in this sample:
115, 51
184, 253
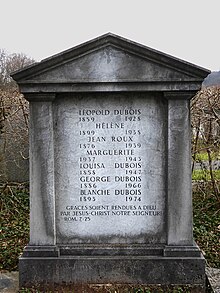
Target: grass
14, 226
206, 208
205, 175
203, 156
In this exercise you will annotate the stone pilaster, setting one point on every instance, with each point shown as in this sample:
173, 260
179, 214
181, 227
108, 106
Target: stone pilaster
42, 194
179, 201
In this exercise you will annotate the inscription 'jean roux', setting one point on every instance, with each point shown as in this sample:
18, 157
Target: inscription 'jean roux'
95, 183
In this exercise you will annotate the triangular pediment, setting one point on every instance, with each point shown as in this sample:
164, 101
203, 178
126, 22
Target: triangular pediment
110, 58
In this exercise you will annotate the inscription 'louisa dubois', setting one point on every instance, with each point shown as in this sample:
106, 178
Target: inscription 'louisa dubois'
102, 165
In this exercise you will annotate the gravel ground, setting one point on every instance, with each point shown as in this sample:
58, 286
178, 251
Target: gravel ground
214, 278
9, 281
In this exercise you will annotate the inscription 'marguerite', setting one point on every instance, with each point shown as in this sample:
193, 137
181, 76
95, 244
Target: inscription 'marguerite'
110, 152
112, 187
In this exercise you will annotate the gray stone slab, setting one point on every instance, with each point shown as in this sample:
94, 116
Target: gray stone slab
110, 167
42, 225
179, 173
113, 269
11, 283
110, 63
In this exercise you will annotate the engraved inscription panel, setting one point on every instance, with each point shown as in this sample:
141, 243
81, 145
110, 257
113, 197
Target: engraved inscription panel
110, 168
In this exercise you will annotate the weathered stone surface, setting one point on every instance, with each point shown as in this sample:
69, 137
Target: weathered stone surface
110, 63
110, 167
179, 172
42, 224
213, 275
9, 282
125, 201
120, 270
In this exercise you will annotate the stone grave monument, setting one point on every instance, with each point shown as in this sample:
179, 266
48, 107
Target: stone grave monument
110, 175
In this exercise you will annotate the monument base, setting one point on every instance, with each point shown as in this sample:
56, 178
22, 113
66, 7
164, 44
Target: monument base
134, 264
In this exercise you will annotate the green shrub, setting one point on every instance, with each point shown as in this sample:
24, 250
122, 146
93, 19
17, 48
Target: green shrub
14, 227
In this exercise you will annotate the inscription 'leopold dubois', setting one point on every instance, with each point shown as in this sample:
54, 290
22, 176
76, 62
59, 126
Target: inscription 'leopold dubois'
97, 112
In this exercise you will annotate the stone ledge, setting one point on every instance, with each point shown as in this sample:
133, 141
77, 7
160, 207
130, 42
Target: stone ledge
9, 281
114, 270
